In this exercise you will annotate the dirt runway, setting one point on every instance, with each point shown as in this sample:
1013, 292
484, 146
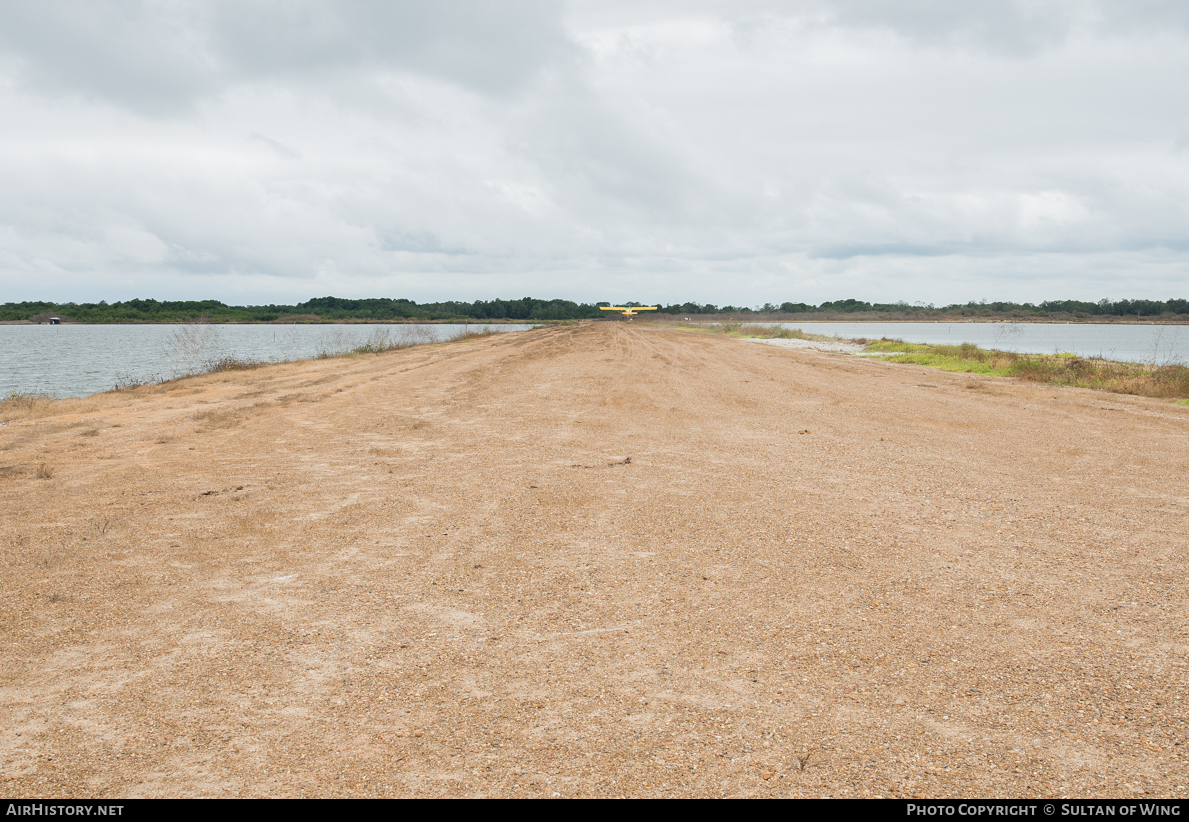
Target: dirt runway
605, 559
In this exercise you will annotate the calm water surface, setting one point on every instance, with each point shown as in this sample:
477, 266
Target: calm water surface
1161, 344
76, 360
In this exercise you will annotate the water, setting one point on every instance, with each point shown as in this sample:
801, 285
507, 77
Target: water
76, 360
1159, 344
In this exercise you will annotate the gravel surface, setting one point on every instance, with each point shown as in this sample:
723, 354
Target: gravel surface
595, 560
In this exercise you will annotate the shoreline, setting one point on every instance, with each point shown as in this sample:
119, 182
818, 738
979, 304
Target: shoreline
1165, 381
743, 318
707, 318
219, 362
811, 342
323, 322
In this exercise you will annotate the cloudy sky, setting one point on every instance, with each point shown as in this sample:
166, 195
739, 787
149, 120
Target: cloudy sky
742, 152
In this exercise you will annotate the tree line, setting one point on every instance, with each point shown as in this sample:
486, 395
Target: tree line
330, 309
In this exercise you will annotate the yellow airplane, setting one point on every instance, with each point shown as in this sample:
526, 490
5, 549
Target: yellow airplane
628, 312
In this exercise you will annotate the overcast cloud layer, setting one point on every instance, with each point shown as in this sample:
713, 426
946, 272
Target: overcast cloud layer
922, 150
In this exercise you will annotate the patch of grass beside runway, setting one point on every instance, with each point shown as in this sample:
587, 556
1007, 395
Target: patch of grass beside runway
755, 331
1169, 381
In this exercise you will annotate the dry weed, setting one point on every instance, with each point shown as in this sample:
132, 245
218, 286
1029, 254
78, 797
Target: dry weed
1165, 381
468, 334
23, 404
1169, 381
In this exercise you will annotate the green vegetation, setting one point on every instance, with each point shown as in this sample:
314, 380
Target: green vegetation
529, 309
322, 309
1176, 310
1150, 380
966, 358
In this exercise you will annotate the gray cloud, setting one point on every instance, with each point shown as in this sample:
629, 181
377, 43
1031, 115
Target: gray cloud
1011, 28
150, 57
159, 57
723, 152
491, 45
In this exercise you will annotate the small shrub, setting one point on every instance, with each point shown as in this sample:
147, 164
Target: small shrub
380, 340
193, 347
1035, 370
971, 351
126, 382
1173, 380
230, 363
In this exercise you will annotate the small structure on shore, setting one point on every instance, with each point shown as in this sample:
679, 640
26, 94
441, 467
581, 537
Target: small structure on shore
55, 320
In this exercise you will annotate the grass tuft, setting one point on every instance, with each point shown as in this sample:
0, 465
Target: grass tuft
342, 343
383, 339
485, 331
24, 404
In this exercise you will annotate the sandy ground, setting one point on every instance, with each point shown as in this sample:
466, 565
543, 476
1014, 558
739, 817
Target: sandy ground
602, 559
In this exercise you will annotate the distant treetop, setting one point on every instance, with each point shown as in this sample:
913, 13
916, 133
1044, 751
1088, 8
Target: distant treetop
329, 309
